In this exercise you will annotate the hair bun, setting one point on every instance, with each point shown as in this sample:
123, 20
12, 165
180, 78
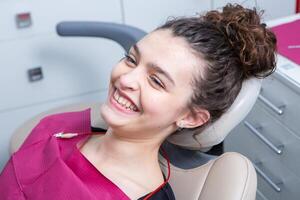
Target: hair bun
254, 44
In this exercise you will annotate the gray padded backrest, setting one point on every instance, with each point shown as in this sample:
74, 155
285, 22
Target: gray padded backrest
186, 158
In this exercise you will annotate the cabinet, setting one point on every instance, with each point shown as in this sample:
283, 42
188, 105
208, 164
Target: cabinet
46, 14
270, 134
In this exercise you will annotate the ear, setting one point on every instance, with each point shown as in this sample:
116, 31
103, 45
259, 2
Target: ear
195, 118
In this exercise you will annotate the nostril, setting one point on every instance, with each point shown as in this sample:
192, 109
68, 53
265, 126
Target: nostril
127, 82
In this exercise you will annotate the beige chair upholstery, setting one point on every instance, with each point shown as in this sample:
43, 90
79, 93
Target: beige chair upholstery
231, 176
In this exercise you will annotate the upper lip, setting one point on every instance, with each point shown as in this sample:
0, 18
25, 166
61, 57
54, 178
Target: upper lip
128, 98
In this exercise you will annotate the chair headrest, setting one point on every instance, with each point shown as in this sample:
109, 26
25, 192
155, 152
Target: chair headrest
216, 132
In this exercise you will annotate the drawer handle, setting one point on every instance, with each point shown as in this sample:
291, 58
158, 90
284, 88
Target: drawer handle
271, 105
277, 150
268, 179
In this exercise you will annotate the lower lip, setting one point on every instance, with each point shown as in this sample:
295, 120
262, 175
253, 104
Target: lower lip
118, 107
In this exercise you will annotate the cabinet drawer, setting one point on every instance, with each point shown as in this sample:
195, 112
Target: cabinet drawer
277, 97
289, 185
275, 133
70, 67
260, 196
242, 140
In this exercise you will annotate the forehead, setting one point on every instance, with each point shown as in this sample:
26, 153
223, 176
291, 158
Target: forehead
172, 54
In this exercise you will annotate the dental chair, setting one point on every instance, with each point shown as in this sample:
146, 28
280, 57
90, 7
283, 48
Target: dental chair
194, 173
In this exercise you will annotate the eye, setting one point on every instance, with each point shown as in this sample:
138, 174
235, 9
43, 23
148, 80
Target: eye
129, 59
156, 81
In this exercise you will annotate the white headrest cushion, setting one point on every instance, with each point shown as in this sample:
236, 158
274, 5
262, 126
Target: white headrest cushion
216, 132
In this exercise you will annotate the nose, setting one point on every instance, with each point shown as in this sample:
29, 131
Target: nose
129, 81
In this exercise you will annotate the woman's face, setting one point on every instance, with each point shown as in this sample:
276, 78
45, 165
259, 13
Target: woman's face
155, 79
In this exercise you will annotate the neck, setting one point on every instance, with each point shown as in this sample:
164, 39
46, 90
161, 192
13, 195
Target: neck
123, 150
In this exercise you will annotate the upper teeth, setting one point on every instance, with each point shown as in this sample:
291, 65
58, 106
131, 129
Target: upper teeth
124, 102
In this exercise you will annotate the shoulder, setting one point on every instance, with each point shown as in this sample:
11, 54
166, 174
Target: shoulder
41, 150
43, 126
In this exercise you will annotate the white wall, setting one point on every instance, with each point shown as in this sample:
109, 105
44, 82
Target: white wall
150, 14
276, 8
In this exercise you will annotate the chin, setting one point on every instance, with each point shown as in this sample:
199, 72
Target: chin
111, 118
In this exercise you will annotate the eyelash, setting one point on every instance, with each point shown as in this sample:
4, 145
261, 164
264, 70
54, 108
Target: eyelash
131, 60
156, 81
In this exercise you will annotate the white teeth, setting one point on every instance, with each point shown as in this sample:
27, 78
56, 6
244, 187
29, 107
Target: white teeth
116, 96
124, 102
128, 104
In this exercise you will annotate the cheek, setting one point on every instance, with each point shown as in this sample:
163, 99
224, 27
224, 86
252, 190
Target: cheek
159, 105
118, 70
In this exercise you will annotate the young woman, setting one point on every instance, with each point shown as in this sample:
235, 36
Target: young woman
184, 74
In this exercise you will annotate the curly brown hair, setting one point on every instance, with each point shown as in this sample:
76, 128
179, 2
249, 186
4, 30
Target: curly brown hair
235, 46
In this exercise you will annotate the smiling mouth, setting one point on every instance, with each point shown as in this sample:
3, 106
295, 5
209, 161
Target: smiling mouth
122, 104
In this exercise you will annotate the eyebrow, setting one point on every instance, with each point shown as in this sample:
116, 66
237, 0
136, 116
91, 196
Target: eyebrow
154, 66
